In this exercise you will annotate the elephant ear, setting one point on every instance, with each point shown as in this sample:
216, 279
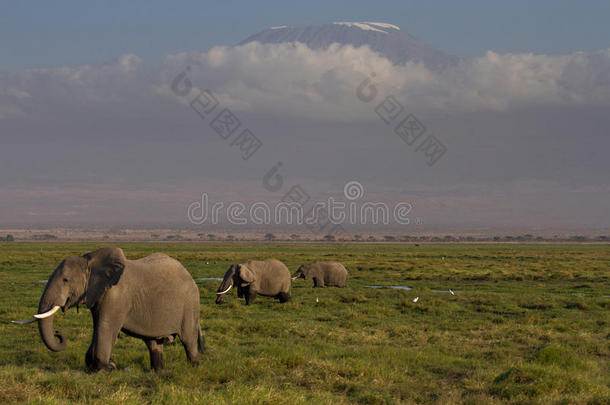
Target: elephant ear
106, 267
246, 275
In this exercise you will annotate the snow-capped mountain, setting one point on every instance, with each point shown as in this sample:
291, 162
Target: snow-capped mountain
386, 39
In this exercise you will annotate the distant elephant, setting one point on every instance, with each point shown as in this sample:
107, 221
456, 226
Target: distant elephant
269, 278
153, 298
324, 274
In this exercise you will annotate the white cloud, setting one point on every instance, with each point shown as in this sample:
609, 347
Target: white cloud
293, 80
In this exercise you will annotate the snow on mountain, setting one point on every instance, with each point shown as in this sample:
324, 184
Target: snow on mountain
386, 39
362, 26
384, 25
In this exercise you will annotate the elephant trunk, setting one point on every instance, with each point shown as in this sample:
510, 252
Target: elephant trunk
227, 283
220, 294
223, 289
45, 326
298, 274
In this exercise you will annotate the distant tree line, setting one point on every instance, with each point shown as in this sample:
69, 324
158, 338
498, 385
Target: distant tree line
44, 236
359, 237
439, 239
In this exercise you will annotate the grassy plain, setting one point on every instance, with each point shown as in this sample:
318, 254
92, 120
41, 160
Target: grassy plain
527, 324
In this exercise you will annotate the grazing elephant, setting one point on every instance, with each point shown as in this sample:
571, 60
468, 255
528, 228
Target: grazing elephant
270, 278
324, 274
153, 299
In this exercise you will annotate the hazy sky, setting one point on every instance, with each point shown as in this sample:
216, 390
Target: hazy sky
92, 132
45, 34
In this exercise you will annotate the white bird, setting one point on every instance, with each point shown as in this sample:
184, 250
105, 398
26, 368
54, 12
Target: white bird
317, 300
415, 299
451, 291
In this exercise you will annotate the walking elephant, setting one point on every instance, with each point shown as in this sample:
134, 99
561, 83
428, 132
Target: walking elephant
153, 298
324, 274
269, 278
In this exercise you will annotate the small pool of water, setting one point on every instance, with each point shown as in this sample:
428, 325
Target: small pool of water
403, 287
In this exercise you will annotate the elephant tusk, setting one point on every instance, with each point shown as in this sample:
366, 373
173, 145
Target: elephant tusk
225, 291
48, 313
294, 278
25, 322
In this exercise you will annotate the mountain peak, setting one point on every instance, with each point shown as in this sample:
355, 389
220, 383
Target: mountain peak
370, 26
386, 39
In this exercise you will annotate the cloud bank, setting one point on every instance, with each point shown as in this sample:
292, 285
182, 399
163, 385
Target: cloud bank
293, 80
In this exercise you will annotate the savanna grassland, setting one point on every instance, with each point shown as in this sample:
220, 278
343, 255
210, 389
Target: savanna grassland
527, 324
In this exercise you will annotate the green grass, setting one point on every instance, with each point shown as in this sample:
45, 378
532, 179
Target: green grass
527, 324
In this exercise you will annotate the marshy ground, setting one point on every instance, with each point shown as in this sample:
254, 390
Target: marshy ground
527, 324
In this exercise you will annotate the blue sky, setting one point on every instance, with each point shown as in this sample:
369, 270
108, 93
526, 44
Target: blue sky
50, 34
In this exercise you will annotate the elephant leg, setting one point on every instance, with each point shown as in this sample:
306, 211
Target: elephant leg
155, 349
191, 349
189, 336
89, 357
317, 282
191, 353
284, 297
104, 337
250, 297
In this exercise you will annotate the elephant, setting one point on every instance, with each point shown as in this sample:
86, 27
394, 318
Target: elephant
269, 278
153, 298
324, 274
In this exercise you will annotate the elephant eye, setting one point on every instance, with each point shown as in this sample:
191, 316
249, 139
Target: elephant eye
65, 280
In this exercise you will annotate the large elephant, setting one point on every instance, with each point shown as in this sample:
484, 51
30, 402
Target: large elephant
270, 278
153, 298
324, 274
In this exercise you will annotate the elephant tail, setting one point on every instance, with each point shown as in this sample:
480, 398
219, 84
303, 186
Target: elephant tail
201, 342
